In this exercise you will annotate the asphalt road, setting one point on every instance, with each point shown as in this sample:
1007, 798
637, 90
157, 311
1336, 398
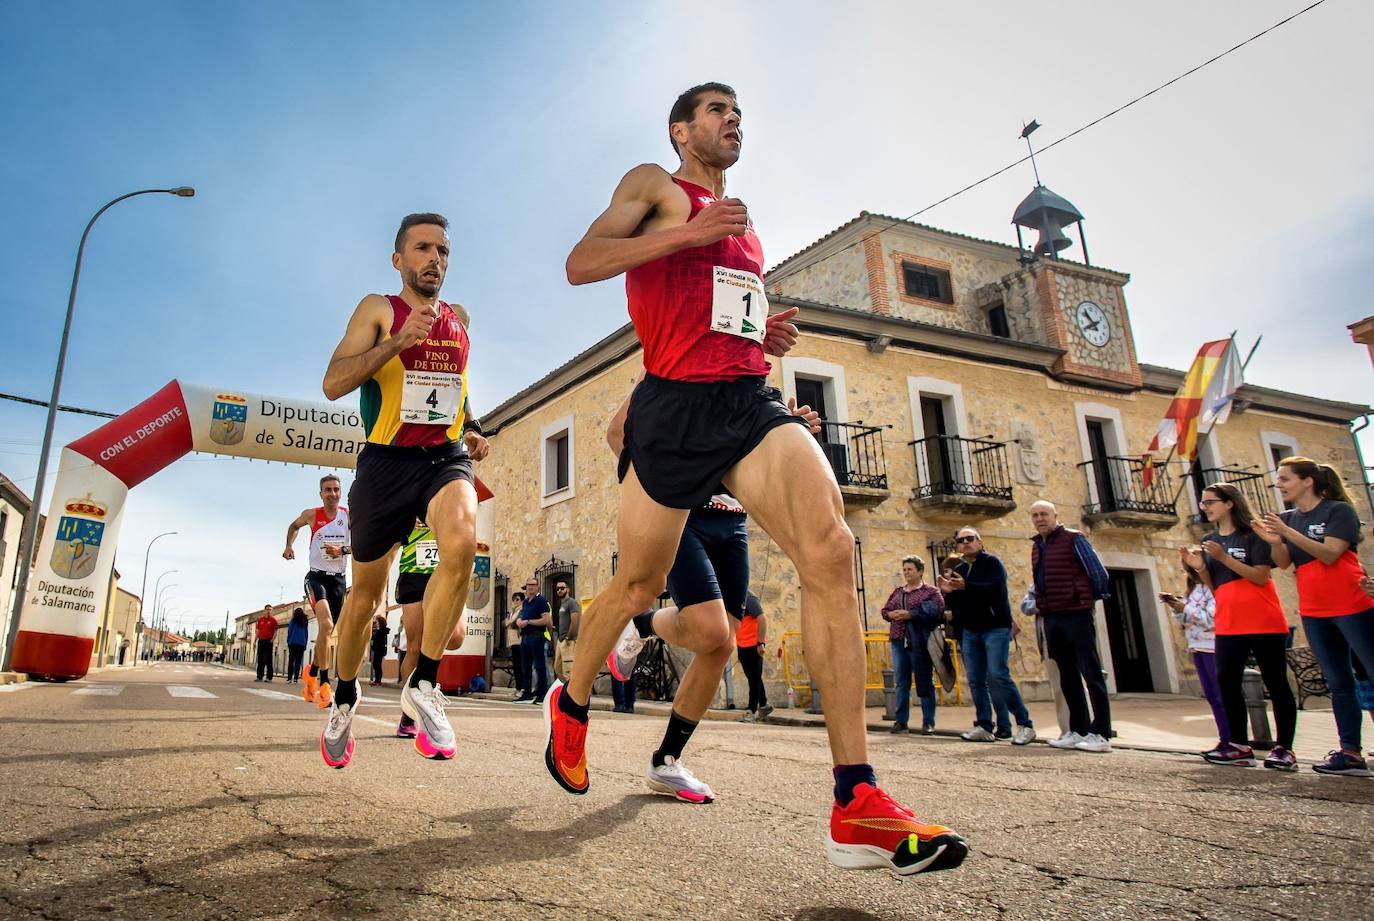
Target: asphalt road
121, 799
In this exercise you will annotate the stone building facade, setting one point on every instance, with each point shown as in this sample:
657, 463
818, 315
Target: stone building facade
959, 385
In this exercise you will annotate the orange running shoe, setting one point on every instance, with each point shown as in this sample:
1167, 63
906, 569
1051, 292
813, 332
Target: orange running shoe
566, 754
310, 685
324, 697
876, 831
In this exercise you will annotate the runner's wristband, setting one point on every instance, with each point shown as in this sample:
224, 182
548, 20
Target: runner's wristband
472, 425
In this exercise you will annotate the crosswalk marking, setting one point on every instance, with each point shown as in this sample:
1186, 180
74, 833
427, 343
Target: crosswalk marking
181, 690
100, 690
273, 695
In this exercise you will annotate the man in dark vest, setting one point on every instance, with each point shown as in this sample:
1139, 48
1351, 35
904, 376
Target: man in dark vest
1069, 580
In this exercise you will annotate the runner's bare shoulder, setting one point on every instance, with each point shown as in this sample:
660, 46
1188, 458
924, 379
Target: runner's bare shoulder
653, 185
463, 316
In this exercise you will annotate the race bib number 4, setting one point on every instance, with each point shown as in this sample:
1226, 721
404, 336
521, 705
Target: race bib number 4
431, 398
738, 304
426, 554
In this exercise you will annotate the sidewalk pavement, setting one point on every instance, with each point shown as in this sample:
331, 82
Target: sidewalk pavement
1143, 722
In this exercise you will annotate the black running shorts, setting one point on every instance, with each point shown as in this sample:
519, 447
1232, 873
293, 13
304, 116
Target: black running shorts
410, 587
684, 436
393, 487
328, 587
712, 561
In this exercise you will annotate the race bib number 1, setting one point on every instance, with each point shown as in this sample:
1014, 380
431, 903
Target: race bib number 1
738, 304
431, 398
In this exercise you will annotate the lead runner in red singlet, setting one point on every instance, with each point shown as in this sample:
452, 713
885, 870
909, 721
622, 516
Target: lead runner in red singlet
409, 354
704, 415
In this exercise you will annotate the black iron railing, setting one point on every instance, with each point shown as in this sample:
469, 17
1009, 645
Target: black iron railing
947, 465
1118, 484
1253, 485
855, 452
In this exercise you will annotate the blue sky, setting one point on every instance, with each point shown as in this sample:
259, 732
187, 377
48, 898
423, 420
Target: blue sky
1240, 198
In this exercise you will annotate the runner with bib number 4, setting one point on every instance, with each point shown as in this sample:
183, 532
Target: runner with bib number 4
408, 353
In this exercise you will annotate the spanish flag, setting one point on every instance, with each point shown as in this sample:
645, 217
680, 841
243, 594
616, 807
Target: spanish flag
1203, 401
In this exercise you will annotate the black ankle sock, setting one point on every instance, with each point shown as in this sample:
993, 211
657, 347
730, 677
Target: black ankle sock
312, 671
644, 623
346, 693
674, 738
849, 776
426, 669
577, 711
324, 676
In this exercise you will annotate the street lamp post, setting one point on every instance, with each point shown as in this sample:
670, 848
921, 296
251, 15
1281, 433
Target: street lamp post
30, 534
157, 602
142, 592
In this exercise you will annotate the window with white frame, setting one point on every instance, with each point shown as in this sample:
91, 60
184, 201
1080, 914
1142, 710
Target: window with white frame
557, 459
1277, 446
1102, 442
939, 428
1206, 469
820, 385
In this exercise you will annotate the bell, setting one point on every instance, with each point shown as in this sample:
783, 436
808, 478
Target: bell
1046, 213
1052, 240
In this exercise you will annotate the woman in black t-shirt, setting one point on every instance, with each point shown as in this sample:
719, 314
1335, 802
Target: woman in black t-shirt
1234, 562
1318, 536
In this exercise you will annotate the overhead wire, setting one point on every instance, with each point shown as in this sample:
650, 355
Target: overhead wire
1096, 121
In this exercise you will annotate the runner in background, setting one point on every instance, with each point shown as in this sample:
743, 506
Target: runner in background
419, 558
325, 584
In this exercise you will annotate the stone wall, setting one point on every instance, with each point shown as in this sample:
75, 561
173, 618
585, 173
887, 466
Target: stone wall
842, 278
970, 269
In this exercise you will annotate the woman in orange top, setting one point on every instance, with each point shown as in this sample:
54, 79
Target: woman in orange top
1318, 536
1234, 562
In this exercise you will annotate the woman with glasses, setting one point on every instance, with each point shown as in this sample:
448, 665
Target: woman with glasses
1318, 535
1235, 563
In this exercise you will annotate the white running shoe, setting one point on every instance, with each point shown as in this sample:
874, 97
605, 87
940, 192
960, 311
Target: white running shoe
674, 779
978, 734
763, 713
621, 661
1092, 742
1025, 735
1069, 739
336, 742
425, 705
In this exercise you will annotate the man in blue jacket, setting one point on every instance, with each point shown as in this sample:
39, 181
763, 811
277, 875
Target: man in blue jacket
1069, 581
976, 592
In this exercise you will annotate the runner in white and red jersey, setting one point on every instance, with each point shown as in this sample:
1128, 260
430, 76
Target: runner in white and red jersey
325, 586
705, 416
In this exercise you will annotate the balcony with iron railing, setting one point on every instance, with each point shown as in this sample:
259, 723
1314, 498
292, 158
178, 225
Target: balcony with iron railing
856, 454
1121, 494
1253, 484
963, 477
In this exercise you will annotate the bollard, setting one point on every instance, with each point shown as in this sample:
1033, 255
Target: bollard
1252, 686
815, 705
889, 695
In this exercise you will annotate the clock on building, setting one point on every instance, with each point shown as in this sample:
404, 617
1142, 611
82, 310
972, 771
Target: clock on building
1093, 323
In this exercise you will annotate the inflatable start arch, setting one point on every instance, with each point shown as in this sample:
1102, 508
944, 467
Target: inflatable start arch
71, 576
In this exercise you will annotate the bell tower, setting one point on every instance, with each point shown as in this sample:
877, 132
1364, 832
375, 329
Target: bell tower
1083, 307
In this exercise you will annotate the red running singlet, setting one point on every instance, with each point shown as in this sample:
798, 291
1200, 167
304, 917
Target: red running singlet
670, 303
